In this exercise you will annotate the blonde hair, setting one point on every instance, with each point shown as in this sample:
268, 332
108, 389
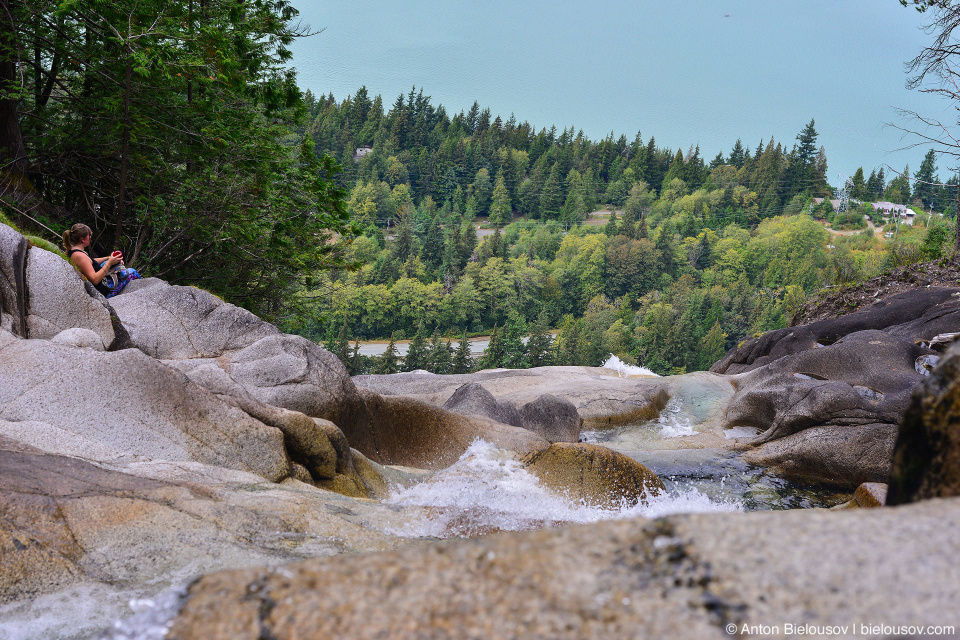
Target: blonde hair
75, 235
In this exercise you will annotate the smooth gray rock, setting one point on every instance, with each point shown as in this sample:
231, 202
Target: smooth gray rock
172, 322
59, 301
292, 372
849, 396
918, 314
473, 399
79, 337
550, 417
194, 327
13, 299
865, 378
683, 576
846, 456
128, 402
600, 396
553, 418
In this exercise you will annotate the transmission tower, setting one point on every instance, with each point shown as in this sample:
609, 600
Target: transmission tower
843, 193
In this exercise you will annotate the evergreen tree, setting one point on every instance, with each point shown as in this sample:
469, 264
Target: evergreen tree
340, 346
612, 227
493, 355
924, 188
355, 363
500, 210
462, 360
389, 361
514, 351
551, 198
433, 247
482, 189
676, 170
540, 343
859, 190
439, 357
873, 191
418, 352
737, 155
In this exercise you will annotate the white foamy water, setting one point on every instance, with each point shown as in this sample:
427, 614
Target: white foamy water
673, 422
625, 370
740, 432
151, 619
487, 491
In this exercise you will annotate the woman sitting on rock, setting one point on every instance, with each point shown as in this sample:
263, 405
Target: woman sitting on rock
99, 271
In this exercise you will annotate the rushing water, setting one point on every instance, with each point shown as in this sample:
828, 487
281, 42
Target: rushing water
486, 490
716, 474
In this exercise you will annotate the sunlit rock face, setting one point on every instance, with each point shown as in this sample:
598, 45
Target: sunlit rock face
926, 462
827, 398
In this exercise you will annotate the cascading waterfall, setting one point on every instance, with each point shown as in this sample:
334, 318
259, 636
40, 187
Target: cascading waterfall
486, 490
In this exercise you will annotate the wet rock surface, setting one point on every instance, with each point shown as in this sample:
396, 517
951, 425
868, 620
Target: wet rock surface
593, 475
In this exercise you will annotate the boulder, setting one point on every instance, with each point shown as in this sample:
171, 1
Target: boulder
127, 402
917, 314
13, 287
926, 461
553, 418
870, 495
682, 576
80, 337
407, 432
188, 327
865, 378
77, 533
58, 299
593, 475
849, 395
171, 322
845, 456
473, 399
600, 396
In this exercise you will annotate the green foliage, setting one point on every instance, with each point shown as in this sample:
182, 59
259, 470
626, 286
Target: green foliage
170, 129
389, 361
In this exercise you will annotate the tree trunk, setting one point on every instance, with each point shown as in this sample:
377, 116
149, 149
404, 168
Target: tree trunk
13, 153
124, 160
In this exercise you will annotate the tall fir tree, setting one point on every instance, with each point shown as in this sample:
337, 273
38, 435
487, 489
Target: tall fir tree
493, 355
514, 350
539, 343
500, 209
389, 360
418, 352
462, 360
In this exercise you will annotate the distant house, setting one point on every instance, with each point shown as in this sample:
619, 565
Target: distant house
900, 212
362, 151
